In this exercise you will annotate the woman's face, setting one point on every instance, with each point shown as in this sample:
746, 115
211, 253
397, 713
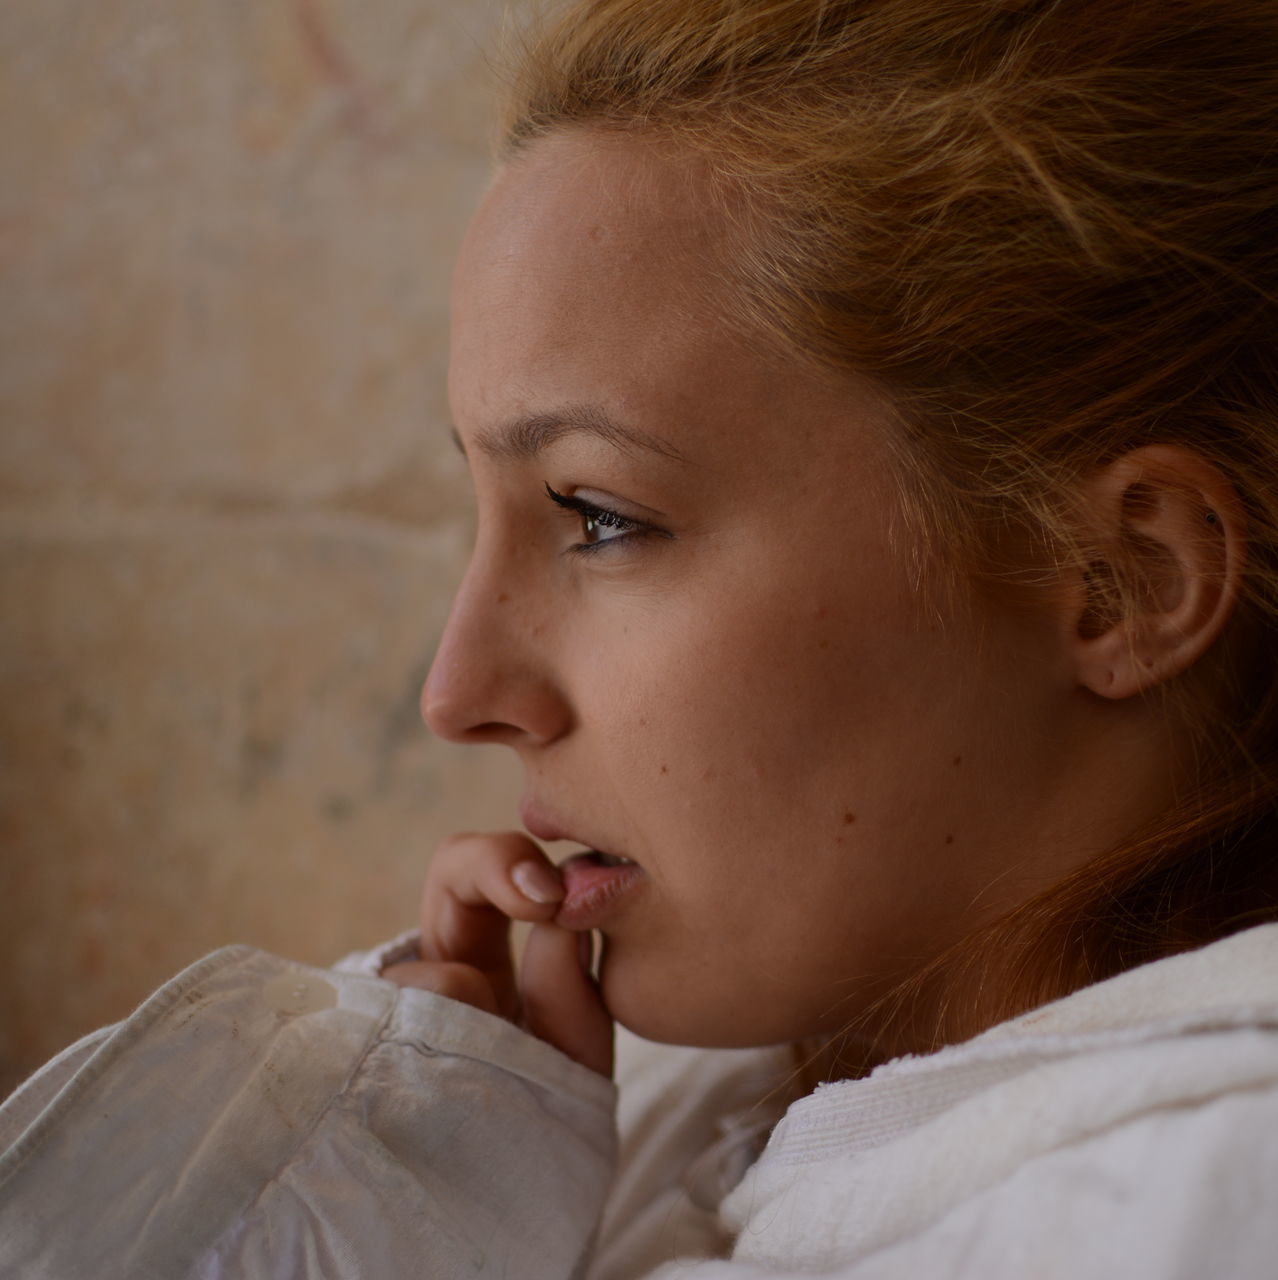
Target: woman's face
727, 677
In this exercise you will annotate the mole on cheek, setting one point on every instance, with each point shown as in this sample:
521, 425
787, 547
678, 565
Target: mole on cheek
502, 598
949, 839
849, 818
665, 768
958, 759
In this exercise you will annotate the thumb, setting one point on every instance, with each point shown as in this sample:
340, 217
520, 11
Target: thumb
561, 1001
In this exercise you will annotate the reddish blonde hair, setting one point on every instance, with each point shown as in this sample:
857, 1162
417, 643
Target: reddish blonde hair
1047, 228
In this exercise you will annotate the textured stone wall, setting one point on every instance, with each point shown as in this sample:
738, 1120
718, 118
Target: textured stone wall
230, 518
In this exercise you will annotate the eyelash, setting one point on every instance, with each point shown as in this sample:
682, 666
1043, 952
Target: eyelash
583, 510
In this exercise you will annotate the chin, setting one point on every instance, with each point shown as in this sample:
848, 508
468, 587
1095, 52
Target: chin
684, 1012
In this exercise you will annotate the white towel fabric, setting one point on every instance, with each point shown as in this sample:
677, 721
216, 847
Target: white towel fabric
260, 1119
1127, 1131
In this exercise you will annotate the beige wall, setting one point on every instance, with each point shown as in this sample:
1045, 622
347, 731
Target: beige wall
230, 519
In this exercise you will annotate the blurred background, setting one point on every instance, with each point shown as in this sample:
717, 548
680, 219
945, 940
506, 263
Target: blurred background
230, 516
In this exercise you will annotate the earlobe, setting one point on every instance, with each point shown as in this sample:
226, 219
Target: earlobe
1169, 537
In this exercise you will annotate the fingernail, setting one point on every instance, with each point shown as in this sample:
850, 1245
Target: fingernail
537, 882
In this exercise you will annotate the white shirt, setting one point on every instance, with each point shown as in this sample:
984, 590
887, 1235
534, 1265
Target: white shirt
261, 1119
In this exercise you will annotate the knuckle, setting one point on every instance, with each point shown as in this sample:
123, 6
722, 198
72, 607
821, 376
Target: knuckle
503, 845
451, 844
466, 985
468, 855
452, 980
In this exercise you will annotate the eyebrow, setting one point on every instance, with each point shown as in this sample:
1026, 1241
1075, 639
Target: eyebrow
523, 438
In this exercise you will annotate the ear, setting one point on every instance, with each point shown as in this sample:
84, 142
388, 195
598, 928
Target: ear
1169, 531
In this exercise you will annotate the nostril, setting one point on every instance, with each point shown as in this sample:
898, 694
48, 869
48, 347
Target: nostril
457, 716
491, 731
524, 712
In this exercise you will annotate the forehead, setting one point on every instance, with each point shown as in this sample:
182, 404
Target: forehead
594, 274
589, 253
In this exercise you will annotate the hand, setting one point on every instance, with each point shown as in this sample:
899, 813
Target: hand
478, 884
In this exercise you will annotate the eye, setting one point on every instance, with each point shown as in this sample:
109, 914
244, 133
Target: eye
599, 526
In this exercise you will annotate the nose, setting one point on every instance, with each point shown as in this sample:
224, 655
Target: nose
493, 676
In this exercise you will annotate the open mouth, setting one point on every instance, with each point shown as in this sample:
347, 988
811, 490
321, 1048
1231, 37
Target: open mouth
595, 887
609, 859
597, 884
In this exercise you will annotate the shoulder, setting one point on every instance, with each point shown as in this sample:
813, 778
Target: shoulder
1111, 1134
1166, 1172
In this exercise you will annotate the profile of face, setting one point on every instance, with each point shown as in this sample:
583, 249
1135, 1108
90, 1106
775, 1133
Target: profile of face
690, 613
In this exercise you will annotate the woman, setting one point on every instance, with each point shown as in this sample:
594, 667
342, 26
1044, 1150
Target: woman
871, 409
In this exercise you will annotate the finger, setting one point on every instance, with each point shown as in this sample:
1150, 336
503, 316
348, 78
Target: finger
474, 886
456, 981
562, 1004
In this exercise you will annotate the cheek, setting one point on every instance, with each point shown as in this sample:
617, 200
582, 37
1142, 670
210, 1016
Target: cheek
774, 672
705, 715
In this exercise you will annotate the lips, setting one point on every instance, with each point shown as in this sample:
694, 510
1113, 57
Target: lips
595, 885
595, 882
542, 826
